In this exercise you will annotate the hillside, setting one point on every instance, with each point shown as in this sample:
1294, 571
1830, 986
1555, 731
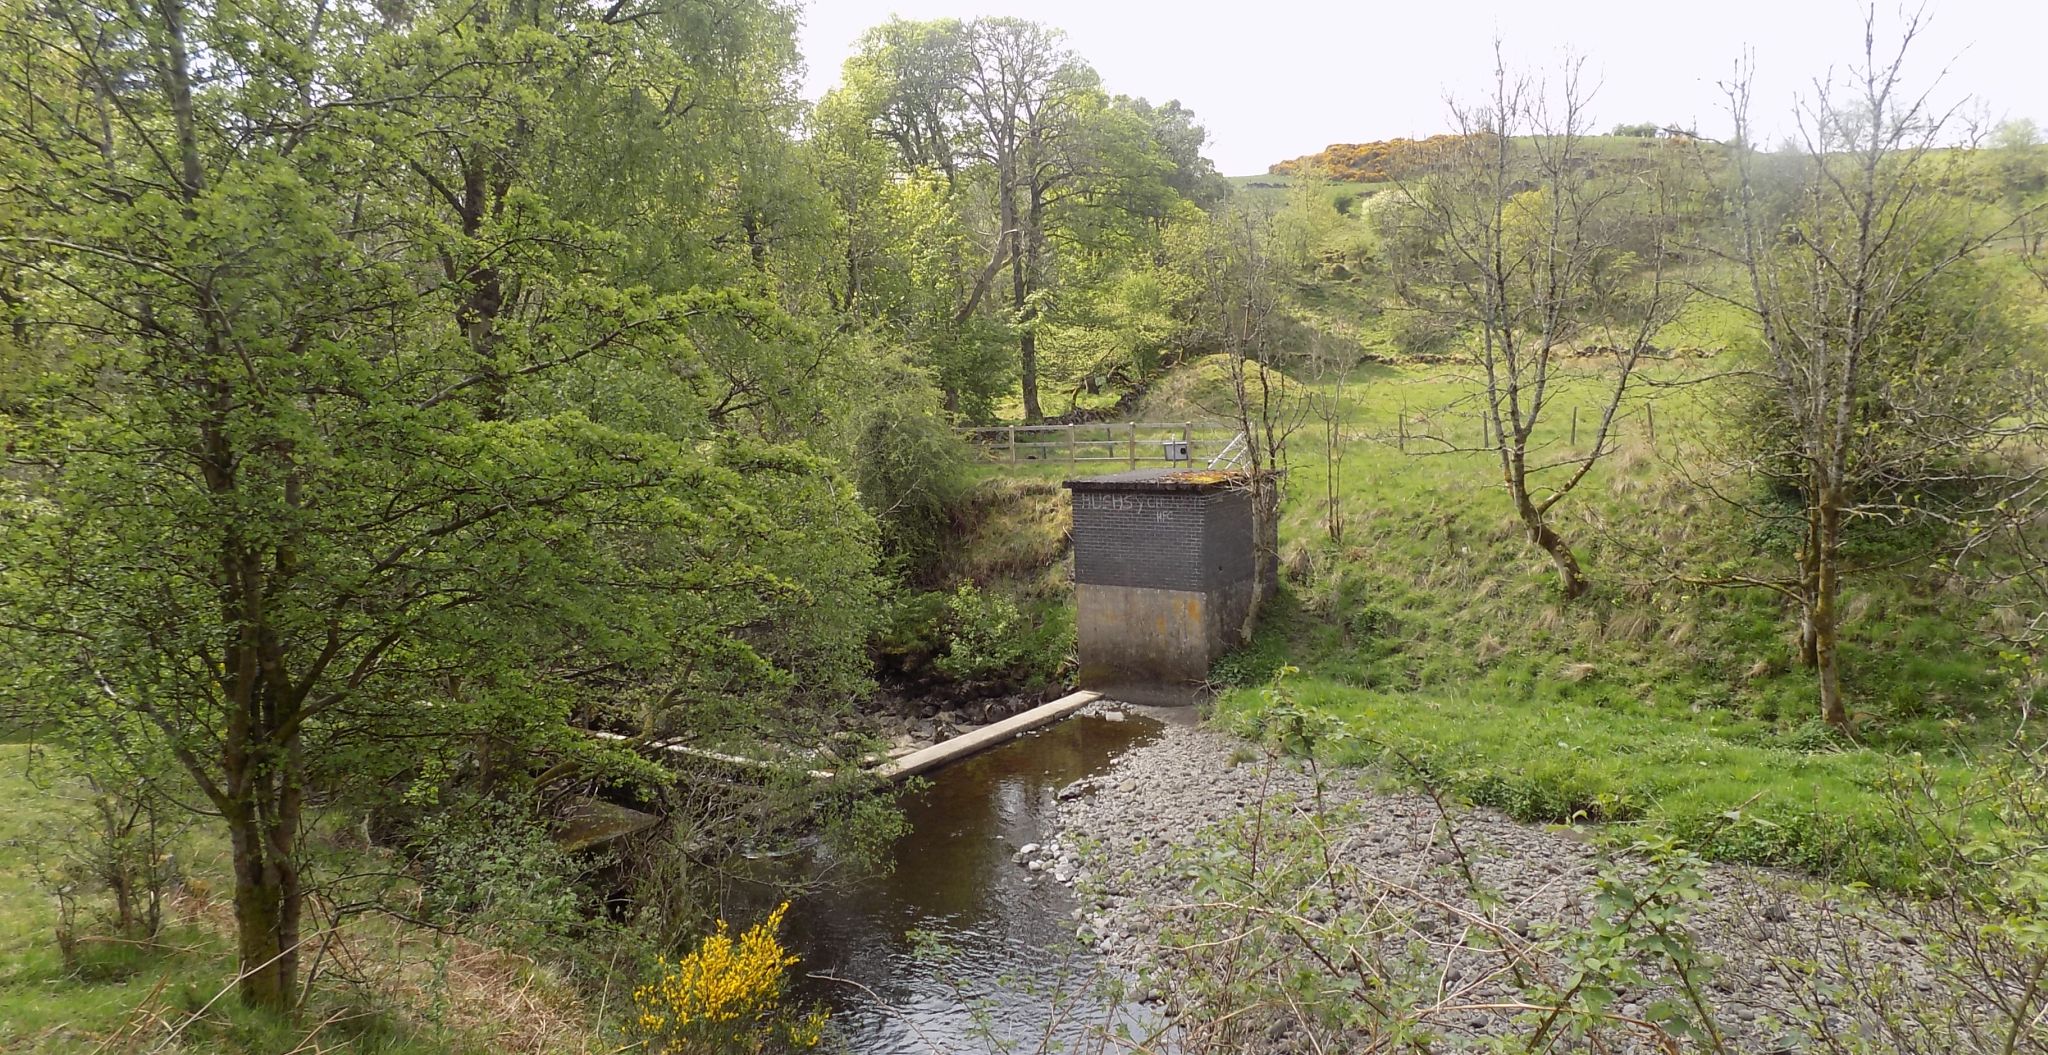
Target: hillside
1380, 161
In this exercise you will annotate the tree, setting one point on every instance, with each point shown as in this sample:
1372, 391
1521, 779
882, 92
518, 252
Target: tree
1884, 375
1527, 252
1244, 316
1180, 138
1025, 93
1004, 142
334, 495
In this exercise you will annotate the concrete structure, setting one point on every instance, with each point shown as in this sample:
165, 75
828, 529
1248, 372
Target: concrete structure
987, 736
1166, 578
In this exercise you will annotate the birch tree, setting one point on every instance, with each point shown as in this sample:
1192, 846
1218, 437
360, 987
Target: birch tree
1886, 376
1528, 256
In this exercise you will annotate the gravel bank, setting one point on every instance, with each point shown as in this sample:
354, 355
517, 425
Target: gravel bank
1123, 833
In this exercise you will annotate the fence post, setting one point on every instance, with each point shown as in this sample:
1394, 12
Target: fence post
1187, 441
1134, 444
1070, 447
1575, 426
1650, 413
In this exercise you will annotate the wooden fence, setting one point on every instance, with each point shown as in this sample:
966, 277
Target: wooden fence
1133, 443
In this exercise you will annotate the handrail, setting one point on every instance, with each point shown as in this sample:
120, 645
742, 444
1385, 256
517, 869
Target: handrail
1232, 455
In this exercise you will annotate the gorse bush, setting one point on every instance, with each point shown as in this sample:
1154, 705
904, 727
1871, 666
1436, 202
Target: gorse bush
728, 995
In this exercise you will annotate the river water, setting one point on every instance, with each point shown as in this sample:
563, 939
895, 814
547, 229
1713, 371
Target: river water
959, 944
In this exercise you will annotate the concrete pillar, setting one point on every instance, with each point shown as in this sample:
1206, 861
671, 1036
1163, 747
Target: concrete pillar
1165, 579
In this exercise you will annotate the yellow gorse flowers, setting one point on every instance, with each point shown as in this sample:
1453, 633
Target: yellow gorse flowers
726, 994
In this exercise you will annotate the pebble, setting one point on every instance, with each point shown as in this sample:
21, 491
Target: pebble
1172, 793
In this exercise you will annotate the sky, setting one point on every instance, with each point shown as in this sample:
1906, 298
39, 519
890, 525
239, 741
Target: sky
1274, 79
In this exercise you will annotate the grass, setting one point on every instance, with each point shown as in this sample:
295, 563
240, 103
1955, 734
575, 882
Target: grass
418, 993
1432, 634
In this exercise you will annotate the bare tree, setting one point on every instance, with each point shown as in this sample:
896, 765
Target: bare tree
1241, 300
1885, 390
1539, 252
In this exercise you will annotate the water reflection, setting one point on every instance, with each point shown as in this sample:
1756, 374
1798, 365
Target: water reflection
1007, 931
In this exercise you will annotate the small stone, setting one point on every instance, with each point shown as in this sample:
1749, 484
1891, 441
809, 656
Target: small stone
1777, 914
1112, 716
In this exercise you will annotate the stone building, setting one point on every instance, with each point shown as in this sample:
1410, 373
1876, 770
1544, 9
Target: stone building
1167, 577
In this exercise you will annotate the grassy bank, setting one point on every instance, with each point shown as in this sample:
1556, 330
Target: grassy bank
385, 988
1431, 632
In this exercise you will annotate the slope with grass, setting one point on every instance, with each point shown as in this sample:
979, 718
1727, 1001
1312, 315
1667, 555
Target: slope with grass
1431, 630
387, 988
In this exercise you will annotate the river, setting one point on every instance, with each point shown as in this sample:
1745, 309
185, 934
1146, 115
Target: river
959, 944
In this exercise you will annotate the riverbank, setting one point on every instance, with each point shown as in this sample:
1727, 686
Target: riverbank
1471, 922
72, 984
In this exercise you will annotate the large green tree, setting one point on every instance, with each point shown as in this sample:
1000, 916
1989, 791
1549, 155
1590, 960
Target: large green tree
376, 436
1042, 184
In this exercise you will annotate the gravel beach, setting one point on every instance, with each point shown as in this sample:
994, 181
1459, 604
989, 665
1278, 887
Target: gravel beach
1124, 836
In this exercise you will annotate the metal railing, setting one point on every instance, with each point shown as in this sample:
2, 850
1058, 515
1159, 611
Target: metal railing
1134, 443
1232, 455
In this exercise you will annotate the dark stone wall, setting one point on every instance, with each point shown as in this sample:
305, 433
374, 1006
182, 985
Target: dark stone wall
1163, 541
1123, 538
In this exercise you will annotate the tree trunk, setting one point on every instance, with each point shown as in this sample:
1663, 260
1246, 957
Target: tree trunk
1571, 579
267, 911
1023, 264
1825, 619
1027, 366
485, 295
1809, 586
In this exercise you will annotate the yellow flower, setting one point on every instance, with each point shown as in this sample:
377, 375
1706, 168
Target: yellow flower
726, 994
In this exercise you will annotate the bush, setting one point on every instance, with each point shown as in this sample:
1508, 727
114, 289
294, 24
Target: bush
727, 995
912, 471
976, 638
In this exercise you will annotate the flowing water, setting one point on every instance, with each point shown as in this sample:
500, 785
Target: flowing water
1006, 933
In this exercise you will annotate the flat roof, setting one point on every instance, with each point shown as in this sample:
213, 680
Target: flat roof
1155, 480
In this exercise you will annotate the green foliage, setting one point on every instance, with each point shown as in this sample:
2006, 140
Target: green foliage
912, 471
418, 441
980, 639
988, 639
1946, 367
486, 866
982, 633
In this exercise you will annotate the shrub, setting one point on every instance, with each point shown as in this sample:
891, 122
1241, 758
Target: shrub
727, 995
984, 636
973, 637
912, 470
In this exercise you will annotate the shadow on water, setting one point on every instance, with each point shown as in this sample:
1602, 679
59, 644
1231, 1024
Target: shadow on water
1007, 933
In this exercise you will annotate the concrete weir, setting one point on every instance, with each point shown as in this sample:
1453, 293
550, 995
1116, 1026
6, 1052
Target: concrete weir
986, 737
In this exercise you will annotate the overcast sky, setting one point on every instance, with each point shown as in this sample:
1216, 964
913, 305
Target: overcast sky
1273, 79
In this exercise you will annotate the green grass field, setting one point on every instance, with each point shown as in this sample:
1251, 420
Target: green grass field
1432, 633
